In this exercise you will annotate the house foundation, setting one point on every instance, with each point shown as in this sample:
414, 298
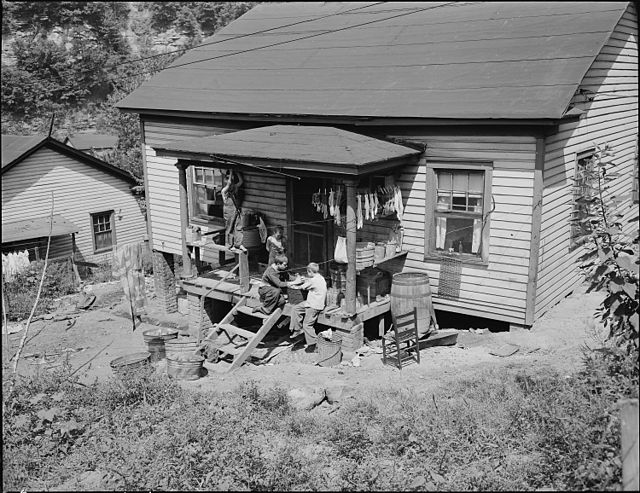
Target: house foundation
165, 281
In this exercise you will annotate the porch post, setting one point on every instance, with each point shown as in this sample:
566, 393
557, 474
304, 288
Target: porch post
184, 220
350, 294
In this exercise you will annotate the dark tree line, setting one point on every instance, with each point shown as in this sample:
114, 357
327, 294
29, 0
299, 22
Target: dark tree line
72, 59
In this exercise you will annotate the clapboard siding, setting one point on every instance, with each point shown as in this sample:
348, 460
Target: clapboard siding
497, 291
609, 118
266, 194
79, 190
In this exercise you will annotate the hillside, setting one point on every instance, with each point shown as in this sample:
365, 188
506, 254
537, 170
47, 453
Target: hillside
74, 60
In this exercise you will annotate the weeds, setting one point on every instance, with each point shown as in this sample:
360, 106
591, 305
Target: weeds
21, 290
496, 431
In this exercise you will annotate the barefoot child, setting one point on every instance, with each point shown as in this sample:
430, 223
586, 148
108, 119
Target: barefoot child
276, 243
305, 315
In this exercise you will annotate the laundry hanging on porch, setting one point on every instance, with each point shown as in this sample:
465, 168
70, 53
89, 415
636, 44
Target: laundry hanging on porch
369, 204
127, 265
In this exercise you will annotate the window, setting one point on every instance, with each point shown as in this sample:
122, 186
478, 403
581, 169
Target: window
581, 187
206, 200
103, 231
457, 211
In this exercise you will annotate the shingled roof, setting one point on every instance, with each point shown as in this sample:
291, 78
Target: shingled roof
461, 60
306, 148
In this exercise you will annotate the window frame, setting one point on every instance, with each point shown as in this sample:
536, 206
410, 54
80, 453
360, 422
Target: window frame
112, 223
194, 216
430, 252
580, 155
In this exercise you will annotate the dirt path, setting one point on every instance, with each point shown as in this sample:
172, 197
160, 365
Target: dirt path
553, 342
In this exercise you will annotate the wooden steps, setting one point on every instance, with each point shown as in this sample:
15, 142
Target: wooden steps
247, 310
242, 341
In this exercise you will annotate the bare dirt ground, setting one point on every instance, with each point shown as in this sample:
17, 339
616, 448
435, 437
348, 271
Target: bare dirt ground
104, 332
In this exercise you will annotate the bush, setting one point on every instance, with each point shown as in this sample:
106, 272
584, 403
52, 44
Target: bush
21, 291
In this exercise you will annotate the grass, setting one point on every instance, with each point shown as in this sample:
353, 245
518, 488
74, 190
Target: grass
496, 431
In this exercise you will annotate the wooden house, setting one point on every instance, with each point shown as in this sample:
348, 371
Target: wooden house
93, 205
482, 113
98, 145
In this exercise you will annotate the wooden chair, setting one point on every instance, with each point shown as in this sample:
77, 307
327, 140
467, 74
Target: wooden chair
405, 333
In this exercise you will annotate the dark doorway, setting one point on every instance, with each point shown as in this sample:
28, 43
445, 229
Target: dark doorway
312, 235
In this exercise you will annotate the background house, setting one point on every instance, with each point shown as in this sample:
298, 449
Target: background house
93, 205
97, 145
508, 100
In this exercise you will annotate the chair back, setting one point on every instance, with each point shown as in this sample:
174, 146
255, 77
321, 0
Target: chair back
405, 322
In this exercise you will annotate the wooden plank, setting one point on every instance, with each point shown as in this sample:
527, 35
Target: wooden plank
629, 444
536, 223
233, 330
251, 345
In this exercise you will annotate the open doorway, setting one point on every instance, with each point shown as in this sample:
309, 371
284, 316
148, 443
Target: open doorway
311, 236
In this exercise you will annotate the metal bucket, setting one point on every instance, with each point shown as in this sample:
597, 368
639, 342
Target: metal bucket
129, 362
184, 369
329, 352
155, 339
181, 345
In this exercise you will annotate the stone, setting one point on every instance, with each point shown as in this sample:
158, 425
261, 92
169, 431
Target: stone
305, 399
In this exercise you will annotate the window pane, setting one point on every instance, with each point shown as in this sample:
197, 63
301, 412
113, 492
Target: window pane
208, 176
218, 179
459, 235
444, 180
475, 203
461, 182
444, 201
459, 202
476, 182
199, 175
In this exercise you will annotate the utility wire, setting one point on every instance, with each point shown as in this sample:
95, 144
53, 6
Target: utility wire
332, 31
218, 41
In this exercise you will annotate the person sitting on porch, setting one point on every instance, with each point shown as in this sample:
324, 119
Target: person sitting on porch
232, 212
304, 315
275, 280
276, 243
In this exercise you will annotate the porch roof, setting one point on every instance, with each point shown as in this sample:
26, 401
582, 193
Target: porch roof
38, 227
293, 147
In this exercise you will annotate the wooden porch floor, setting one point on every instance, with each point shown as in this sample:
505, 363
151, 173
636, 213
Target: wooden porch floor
212, 286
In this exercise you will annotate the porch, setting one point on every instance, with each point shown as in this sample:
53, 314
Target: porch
292, 175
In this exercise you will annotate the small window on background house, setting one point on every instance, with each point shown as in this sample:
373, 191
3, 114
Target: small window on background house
582, 187
103, 231
206, 199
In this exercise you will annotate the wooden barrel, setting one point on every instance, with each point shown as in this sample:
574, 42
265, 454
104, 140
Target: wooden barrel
409, 290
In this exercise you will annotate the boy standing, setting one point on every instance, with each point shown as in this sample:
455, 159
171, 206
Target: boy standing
305, 315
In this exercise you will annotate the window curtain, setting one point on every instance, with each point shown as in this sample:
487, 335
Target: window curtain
441, 231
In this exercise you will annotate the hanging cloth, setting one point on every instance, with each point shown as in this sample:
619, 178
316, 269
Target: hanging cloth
332, 211
366, 206
262, 230
375, 205
127, 265
359, 221
398, 204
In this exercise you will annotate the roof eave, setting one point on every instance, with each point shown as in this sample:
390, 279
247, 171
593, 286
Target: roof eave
347, 169
344, 119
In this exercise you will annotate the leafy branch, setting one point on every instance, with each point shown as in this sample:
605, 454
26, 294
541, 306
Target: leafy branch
610, 258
